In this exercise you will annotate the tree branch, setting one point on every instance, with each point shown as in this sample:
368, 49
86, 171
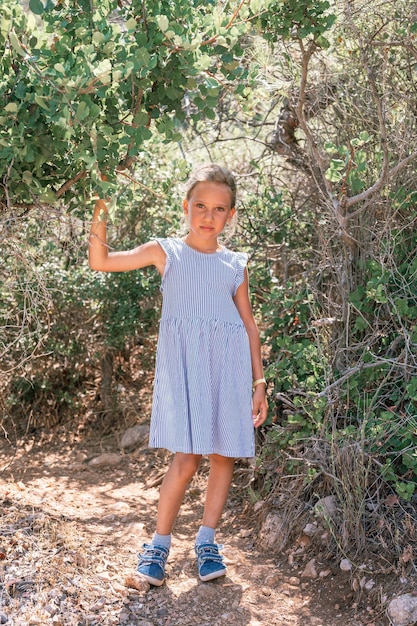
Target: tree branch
70, 183
359, 368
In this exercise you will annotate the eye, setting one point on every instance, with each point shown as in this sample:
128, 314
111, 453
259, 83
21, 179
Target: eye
220, 209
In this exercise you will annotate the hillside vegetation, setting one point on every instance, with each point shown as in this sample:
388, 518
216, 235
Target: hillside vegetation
312, 105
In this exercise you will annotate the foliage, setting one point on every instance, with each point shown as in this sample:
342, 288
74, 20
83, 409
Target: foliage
84, 85
312, 104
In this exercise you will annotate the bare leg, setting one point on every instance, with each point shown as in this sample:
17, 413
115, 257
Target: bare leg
219, 481
173, 488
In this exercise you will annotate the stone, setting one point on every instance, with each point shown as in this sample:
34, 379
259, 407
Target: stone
326, 507
121, 507
402, 610
273, 579
134, 581
310, 570
273, 535
258, 505
51, 610
310, 530
108, 459
345, 565
134, 435
206, 591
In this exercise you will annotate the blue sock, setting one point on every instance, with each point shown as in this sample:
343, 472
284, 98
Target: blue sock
162, 540
205, 535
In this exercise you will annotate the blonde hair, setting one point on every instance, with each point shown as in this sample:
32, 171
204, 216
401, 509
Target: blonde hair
214, 174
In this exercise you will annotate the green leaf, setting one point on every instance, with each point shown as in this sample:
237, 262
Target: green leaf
15, 43
11, 107
82, 111
333, 175
142, 57
204, 62
59, 68
98, 38
36, 6
163, 22
41, 102
131, 23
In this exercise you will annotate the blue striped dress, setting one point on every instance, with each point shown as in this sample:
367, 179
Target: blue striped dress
202, 402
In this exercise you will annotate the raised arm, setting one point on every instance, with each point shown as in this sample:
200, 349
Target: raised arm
243, 305
102, 260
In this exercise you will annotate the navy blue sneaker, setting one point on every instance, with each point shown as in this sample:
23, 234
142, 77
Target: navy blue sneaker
209, 562
152, 562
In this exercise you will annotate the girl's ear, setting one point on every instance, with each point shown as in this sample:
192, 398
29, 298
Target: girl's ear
231, 214
185, 206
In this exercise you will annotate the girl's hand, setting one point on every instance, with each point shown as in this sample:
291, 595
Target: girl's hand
259, 406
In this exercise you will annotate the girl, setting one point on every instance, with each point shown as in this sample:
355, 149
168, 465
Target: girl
208, 354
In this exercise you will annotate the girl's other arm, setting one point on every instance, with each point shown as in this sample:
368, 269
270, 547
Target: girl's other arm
243, 305
102, 260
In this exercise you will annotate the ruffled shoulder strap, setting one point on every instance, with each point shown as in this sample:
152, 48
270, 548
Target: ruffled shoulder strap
240, 262
169, 246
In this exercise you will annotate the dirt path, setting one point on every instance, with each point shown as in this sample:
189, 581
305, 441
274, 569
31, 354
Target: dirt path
70, 531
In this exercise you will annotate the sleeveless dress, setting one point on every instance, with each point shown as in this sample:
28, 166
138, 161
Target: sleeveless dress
202, 401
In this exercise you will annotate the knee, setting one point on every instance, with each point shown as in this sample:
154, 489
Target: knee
186, 465
217, 460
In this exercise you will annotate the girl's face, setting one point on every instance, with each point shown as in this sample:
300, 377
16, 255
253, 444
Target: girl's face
208, 209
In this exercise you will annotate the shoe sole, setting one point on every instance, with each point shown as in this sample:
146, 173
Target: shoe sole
151, 580
213, 575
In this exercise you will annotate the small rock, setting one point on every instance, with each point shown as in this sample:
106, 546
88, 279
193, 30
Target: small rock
3, 618
273, 579
98, 605
109, 459
324, 573
80, 559
259, 573
310, 530
273, 533
345, 565
304, 541
232, 556
134, 435
135, 581
206, 591
369, 585
310, 570
403, 610
77, 467
326, 507
51, 610
123, 507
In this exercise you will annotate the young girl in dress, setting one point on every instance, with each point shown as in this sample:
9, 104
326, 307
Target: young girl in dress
209, 389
